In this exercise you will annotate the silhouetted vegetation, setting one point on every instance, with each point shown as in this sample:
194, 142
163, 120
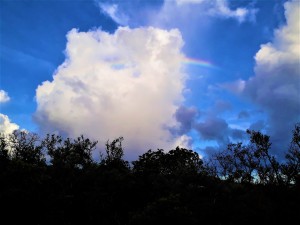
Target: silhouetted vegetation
55, 180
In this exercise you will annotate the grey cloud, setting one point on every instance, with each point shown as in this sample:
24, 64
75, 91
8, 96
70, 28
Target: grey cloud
217, 129
238, 134
258, 125
222, 106
208, 151
186, 117
213, 128
243, 115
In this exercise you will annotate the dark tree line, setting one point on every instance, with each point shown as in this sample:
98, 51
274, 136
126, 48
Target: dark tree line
253, 163
54, 180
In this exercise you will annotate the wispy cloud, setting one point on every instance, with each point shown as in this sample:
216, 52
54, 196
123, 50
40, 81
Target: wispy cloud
222, 9
182, 2
174, 14
23, 58
113, 12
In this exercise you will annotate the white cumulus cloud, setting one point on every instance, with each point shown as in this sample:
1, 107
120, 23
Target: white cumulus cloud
6, 126
4, 96
276, 84
128, 84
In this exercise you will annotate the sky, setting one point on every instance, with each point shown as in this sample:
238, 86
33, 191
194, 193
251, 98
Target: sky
160, 73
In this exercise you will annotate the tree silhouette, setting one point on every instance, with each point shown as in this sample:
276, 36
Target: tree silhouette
4, 151
69, 153
151, 162
242, 184
237, 163
178, 161
26, 147
249, 163
268, 167
114, 155
291, 170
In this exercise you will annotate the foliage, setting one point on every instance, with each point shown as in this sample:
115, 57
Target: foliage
176, 162
253, 163
24, 147
291, 170
114, 155
243, 184
69, 153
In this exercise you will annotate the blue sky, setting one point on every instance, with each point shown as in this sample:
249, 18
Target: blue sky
123, 68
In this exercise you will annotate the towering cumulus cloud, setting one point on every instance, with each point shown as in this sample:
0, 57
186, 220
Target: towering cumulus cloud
128, 84
276, 84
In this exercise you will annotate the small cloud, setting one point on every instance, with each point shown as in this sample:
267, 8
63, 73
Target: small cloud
113, 12
6, 126
241, 14
186, 117
184, 141
4, 96
236, 87
220, 8
217, 129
